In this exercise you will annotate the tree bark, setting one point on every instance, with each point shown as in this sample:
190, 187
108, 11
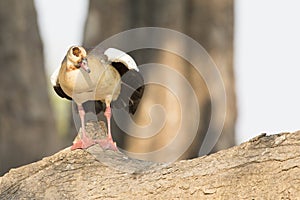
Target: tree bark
266, 167
27, 130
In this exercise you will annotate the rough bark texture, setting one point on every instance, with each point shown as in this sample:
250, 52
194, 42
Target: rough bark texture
27, 130
266, 167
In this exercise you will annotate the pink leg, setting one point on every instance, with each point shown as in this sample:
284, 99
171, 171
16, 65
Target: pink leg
108, 143
85, 142
107, 114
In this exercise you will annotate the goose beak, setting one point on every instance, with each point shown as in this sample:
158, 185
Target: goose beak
84, 65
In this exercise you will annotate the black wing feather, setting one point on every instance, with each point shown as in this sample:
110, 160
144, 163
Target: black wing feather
59, 91
132, 88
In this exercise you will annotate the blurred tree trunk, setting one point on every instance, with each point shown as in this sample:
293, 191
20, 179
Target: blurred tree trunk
211, 24
208, 22
27, 129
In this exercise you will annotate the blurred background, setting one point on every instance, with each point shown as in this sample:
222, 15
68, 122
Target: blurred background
253, 43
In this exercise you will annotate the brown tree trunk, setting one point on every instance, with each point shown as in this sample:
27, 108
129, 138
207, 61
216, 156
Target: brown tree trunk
26, 122
266, 167
211, 24
208, 22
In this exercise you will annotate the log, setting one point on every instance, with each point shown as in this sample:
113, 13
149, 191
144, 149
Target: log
266, 167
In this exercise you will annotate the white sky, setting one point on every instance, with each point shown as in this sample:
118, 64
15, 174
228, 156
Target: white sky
267, 41
267, 66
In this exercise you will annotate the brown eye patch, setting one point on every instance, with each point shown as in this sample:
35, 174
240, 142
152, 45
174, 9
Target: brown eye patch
76, 51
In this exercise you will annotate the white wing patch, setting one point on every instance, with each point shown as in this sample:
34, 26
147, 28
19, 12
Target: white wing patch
116, 55
54, 77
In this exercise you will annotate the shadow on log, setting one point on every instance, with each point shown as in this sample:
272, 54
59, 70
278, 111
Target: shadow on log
266, 167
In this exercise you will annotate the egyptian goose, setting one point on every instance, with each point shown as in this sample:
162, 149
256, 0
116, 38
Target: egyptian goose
96, 76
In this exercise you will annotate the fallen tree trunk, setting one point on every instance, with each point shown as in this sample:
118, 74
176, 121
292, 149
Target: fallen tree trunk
266, 167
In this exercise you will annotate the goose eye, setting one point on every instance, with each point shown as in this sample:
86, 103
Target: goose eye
76, 51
